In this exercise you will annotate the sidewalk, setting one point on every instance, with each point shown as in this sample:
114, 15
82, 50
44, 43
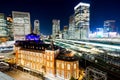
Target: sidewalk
19, 75
51, 77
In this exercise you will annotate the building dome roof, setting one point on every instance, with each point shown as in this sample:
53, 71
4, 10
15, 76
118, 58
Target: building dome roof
32, 36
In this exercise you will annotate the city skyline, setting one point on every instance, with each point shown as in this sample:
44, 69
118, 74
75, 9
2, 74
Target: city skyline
45, 11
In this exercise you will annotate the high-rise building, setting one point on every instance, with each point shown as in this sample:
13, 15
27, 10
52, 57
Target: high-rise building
82, 18
109, 26
71, 31
3, 28
66, 28
55, 28
10, 28
21, 24
65, 32
36, 27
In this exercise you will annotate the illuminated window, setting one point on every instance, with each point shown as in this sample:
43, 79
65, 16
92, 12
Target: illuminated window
48, 64
51, 64
28, 57
57, 64
62, 65
68, 66
74, 66
47, 57
51, 53
34, 58
40, 54
51, 58
44, 56
37, 59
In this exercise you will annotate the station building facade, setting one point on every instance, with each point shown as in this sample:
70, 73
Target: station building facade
46, 59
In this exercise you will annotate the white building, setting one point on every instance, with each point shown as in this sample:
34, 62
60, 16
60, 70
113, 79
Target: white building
21, 23
82, 18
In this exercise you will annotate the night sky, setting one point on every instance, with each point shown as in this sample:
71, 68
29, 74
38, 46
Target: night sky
46, 10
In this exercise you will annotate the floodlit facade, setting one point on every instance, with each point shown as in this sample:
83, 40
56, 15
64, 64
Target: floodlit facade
82, 18
10, 28
3, 26
46, 59
65, 32
37, 27
55, 28
71, 27
21, 24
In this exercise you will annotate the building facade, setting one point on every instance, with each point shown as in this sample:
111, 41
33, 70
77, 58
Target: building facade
71, 31
3, 27
37, 27
55, 28
109, 26
46, 59
10, 28
82, 18
21, 24
65, 32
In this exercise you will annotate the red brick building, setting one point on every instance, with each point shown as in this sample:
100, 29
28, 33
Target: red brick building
47, 59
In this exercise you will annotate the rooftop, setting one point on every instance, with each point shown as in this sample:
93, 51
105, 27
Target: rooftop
33, 45
66, 56
81, 4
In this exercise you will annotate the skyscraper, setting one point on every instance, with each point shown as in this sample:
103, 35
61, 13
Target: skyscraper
71, 32
55, 28
10, 28
65, 32
3, 27
109, 26
21, 23
82, 18
37, 27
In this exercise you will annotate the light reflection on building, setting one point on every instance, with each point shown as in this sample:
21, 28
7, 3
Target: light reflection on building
71, 32
82, 20
10, 28
21, 23
3, 26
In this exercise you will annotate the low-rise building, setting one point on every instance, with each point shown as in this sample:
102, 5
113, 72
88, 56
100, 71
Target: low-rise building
46, 59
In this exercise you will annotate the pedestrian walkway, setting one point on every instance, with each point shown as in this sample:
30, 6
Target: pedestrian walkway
51, 77
20, 75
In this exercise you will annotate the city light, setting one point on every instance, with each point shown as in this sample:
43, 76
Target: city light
45, 40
